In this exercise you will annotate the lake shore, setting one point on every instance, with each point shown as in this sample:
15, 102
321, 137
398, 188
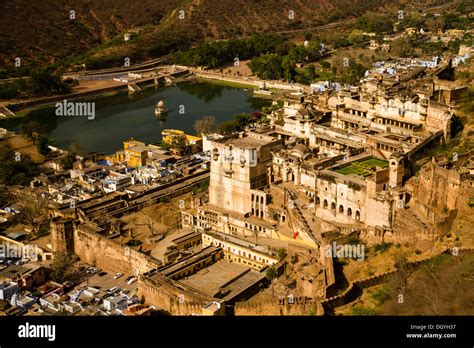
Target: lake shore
119, 115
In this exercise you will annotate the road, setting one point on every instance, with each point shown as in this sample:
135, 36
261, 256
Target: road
140, 67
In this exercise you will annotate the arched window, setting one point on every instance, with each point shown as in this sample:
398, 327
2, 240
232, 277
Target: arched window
325, 204
357, 215
333, 206
318, 201
341, 209
349, 212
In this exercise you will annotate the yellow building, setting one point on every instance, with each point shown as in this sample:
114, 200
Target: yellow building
134, 152
137, 153
191, 142
170, 134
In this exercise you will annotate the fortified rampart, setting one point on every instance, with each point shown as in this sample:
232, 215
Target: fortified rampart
170, 297
99, 250
436, 192
299, 306
108, 254
306, 306
354, 290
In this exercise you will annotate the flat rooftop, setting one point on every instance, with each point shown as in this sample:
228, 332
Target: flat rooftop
241, 242
169, 270
252, 219
246, 142
187, 236
222, 274
13, 271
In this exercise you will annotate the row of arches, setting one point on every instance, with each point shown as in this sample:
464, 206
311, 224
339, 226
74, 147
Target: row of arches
341, 210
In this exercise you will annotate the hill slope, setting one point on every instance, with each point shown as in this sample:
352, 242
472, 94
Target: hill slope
41, 31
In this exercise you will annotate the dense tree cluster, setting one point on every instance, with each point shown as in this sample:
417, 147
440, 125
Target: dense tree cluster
216, 54
239, 122
43, 82
376, 23
37, 133
5, 196
205, 126
15, 168
62, 268
68, 160
282, 64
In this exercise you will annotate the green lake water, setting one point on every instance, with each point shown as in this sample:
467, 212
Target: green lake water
120, 116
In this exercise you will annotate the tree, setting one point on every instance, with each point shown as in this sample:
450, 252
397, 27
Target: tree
404, 271
238, 124
207, 125
434, 24
44, 82
267, 66
61, 269
178, 143
228, 127
281, 253
288, 65
243, 120
5, 196
216, 54
74, 149
15, 168
325, 64
42, 143
402, 47
356, 36
271, 274
375, 22
30, 129
67, 161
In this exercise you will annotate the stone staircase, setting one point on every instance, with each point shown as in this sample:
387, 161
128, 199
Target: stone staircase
311, 231
5, 112
133, 87
378, 153
407, 222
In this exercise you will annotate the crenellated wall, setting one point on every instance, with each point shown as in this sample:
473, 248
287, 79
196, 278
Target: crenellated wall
300, 306
169, 298
108, 254
355, 288
96, 249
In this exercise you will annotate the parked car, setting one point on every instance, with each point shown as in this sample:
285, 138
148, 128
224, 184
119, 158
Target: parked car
111, 290
101, 274
132, 280
118, 275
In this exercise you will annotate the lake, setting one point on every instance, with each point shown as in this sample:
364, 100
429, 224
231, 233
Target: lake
121, 116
